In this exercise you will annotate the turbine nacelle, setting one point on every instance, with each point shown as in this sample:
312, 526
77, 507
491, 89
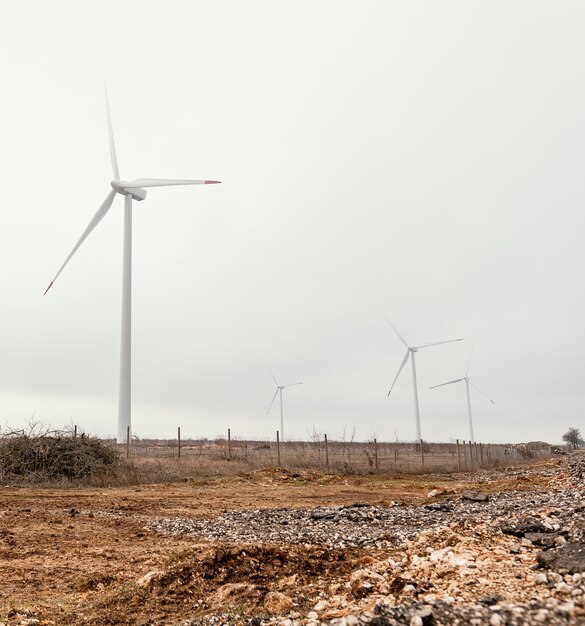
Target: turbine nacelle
119, 187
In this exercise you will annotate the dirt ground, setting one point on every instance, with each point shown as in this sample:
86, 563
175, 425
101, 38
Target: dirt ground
70, 556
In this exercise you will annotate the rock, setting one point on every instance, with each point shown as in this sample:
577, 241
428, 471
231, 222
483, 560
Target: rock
436, 492
523, 526
515, 548
233, 594
546, 540
570, 557
363, 582
276, 603
148, 578
490, 599
474, 496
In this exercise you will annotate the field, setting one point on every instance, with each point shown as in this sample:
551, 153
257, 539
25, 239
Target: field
274, 545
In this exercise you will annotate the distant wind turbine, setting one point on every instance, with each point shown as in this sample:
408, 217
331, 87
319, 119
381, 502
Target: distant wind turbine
133, 189
278, 391
467, 383
410, 352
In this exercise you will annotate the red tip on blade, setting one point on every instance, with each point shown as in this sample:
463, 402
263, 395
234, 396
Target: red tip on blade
47, 289
212, 182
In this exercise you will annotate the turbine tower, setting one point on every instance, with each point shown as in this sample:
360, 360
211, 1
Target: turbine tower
467, 383
278, 391
410, 352
131, 190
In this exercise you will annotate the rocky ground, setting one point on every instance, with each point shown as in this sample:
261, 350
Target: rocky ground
507, 558
505, 547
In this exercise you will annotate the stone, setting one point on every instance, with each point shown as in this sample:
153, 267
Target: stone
491, 599
233, 594
474, 496
145, 580
523, 526
545, 540
570, 558
277, 603
363, 582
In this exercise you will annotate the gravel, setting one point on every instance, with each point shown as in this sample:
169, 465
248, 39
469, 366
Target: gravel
509, 558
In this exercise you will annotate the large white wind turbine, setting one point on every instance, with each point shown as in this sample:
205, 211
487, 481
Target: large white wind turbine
130, 189
278, 391
410, 352
467, 383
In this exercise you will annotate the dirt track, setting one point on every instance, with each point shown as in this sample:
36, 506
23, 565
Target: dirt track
75, 556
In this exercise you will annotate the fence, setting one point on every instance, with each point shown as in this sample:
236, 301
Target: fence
337, 456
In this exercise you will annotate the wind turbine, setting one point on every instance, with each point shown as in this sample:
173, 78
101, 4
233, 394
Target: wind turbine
278, 391
410, 352
130, 189
467, 383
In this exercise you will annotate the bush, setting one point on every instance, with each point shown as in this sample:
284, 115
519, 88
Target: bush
39, 454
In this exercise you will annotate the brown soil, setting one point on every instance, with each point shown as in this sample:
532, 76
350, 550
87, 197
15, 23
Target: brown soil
60, 566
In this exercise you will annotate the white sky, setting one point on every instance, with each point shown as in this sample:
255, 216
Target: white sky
424, 159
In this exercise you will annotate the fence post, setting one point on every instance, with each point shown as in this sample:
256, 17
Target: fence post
422, 453
326, 452
278, 448
481, 454
229, 443
470, 455
458, 456
127, 441
376, 453
178, 442
75, 432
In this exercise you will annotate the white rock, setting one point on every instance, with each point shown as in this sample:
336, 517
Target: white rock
541, 578
416, 620
495, 619
567, 607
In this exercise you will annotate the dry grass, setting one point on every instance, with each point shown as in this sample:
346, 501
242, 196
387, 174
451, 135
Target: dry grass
38, 455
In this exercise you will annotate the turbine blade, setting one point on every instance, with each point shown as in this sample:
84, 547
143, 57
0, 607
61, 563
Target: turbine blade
113, 157
396, 331
447, 383
480, 391
164, 182
273, 376
95, 220
469, 362
292, 384
272, 401
438, 343
399, 370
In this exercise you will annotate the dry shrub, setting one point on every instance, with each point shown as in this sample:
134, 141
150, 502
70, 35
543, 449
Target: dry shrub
38, 454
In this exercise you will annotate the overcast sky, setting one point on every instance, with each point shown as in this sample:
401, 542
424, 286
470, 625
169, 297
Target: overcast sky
420, 159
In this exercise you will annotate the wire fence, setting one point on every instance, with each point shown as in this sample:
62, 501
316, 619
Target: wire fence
339, 456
